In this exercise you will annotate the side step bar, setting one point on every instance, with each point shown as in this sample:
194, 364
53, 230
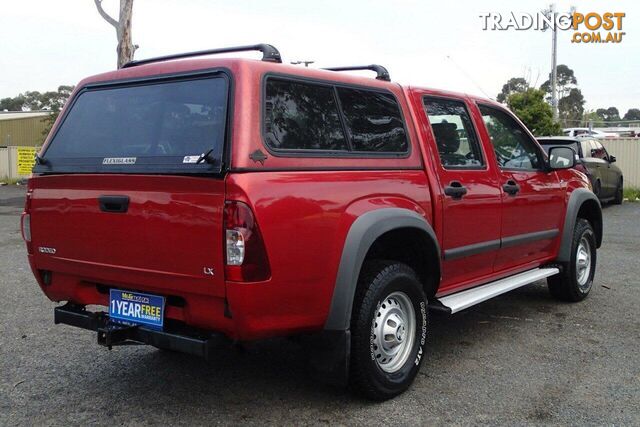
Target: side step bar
465, 299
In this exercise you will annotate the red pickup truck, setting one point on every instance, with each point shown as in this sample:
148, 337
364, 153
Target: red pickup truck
206, 199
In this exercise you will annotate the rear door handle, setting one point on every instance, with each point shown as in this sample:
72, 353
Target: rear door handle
455, 189
511, 187
115, 204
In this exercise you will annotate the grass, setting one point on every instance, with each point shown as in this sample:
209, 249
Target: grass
632, 194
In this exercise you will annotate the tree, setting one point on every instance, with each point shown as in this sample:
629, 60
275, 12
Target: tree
534, 112
594, 118
33, 100
54, 102
12, 104
608, 114
566, 81
126, 48
632, 114
571, 108
513, 85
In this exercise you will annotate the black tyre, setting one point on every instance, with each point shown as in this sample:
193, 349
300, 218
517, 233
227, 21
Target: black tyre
576, 279
597, 187
617, 200
389, 330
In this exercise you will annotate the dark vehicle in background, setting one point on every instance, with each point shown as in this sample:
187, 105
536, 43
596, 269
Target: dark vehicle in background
594, 161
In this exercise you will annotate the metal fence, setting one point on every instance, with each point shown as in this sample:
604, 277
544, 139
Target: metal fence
627, 152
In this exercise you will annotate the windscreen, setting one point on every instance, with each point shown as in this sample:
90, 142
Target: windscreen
160, 127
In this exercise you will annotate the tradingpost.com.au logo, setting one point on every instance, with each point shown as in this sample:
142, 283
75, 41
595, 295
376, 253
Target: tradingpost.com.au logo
589, 27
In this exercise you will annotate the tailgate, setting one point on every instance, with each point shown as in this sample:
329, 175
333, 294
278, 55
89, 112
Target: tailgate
167, 239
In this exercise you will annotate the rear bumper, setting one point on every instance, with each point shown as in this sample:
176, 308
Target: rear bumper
248, 311
112, 334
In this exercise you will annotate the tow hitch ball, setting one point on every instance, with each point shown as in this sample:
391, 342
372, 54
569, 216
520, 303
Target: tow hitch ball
115, 334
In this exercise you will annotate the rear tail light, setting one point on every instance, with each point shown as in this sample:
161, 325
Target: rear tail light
26, 227
25, 220
246, 256
235, 247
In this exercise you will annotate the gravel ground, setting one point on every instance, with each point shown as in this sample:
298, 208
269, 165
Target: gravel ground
521, 358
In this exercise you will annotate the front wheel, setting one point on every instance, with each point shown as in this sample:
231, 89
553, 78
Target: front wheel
389, 330
575, 281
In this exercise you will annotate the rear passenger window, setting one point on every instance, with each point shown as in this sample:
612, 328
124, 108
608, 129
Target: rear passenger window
302, 116
373, 121
455, 137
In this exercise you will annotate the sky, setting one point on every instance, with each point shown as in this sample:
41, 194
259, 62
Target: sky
438, 44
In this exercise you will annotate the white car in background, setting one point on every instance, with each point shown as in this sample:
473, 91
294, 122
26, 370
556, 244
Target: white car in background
598, 134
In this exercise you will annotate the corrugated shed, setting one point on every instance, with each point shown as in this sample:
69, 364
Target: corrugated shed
22, 128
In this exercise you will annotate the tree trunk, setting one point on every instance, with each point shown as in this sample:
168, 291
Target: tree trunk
126, 48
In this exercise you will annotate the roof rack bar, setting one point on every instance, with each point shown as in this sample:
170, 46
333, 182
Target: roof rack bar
382, 73
269, 53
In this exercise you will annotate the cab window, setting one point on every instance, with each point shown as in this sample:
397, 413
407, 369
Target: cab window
513, 147
453, 131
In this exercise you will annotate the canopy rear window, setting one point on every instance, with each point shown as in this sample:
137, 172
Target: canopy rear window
150, 127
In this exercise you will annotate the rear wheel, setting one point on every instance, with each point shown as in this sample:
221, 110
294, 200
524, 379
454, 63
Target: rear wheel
597, 187
575, 281
389, 327
619, 194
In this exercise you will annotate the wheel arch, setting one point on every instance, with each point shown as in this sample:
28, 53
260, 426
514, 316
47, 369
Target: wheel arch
375, 233
582, 204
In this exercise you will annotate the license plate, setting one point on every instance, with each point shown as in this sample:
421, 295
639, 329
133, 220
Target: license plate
136, 308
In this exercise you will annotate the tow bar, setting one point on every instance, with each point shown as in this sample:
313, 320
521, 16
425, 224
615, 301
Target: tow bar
111, 334
117, 334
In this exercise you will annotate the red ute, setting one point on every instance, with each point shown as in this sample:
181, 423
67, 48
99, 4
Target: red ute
202, 199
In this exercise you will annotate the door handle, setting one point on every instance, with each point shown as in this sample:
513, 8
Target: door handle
115, 204
455, 189
511, 187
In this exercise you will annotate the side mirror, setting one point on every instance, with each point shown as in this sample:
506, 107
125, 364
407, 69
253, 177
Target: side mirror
561, 158
612, 159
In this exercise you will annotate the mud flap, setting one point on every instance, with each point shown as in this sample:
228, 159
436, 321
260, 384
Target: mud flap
329, 352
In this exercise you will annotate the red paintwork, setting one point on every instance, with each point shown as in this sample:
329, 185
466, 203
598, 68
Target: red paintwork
303, 206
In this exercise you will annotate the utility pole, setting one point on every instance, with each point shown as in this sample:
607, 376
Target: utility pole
551, 15
554, 63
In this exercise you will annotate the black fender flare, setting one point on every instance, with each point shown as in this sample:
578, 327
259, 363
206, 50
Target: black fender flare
362, 234
578, 198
